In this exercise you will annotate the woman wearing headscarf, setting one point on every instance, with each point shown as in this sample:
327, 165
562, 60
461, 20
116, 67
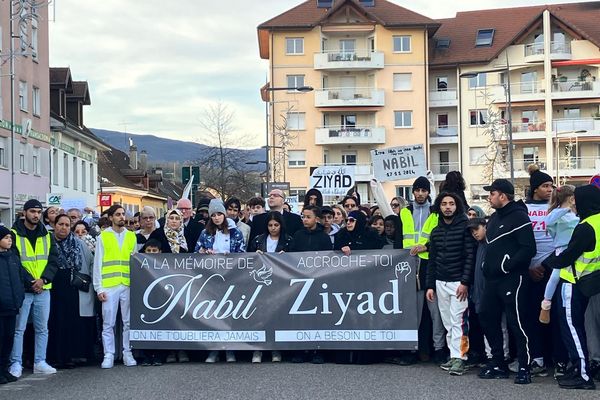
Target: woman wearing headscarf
71, 324
356, 235
171, 236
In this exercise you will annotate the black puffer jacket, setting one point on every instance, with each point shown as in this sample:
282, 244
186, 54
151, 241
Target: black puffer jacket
13, 280
260, 243
511, 244
452, 253
315, 240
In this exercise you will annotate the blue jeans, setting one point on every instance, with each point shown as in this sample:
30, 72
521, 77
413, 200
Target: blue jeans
39, 305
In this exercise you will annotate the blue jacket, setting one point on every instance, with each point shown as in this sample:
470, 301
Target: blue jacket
13, 281
236, 239
560, 224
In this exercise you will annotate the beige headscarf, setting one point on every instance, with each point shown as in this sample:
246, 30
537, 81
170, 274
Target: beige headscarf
176, 238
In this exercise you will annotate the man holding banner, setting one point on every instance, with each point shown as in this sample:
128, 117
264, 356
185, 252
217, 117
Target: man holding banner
111, 278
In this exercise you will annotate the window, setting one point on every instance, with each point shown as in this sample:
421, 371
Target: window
477, 81
477, 155
441, 83
83, 176
478, 117
296, 121
298, 193
348, 120
349, 158
324, 3
36, 101
442, 43
371, 44
75, 173
23, 95
478, 192
66, 170
529, 82
296, 158
3, 161
22, 166
34, 39
485, 37
403, 81
367, 3
36, 166
402, 119
295, 81
401, 44
405, 192
572, 113
294, 46
325, 157
55, 167
347, 46
444, 161
92, 178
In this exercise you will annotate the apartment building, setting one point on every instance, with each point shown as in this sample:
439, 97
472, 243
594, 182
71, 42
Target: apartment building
74, 148
367, 62
24, 156
545, 59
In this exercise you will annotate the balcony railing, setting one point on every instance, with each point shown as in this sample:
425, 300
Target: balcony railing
353, 55
443, 130
575, 124
333, 134
357, 59
521, 164
532, 126
574, 85
558, 47
349, 131
349, 97
440, 95
574, 163
444, 168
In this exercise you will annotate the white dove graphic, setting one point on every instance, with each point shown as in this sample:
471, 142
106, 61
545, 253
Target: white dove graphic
262, 275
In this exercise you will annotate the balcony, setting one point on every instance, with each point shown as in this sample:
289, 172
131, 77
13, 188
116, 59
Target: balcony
330, 135
583, 126
349, 60
362, 172
441, 169
344, 97
575, 89
534, 52
579, 166
529, 130
443, 134
521, 91
520, 167
443, 98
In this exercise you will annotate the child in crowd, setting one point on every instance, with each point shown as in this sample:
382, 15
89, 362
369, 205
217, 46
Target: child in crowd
13, 281
152, 357
560, 224
312, 237
330, 227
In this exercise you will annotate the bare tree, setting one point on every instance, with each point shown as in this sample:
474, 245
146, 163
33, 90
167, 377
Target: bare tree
222, 164
284, 139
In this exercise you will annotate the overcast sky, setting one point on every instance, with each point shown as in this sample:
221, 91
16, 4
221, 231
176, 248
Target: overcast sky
154, 65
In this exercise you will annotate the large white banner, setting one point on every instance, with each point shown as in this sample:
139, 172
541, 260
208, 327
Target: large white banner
333, 179
397, 163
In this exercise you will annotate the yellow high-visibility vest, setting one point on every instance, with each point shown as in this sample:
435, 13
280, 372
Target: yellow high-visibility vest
115, 261
409, 236
430, 223
34, 261
589, 261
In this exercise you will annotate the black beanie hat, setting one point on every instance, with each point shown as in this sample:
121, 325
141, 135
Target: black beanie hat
421, 183
32, 203
4, 231
537, 177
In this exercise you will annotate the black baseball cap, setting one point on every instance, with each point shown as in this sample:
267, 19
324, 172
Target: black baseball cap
501, 185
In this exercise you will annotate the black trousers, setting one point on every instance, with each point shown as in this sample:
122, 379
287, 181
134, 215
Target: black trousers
508, 294
7, 337
572, 324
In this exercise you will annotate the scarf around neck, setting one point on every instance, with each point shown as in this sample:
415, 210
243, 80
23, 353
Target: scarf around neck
176, 239
69, 253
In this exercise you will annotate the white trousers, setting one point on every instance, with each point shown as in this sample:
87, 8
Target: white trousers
115, 296
488, 349
455, 317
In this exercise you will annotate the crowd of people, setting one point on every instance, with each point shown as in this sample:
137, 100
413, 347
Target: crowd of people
515, 291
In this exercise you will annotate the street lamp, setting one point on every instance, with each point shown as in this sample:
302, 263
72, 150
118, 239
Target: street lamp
509, 111
300, 89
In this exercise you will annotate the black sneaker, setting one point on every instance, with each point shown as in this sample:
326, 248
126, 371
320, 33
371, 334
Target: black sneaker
408, 359
9, 377
560, 369
317, 359
537, 370
523, 377
577, 382
595, 369
3, 380
439, 357
492, 371
146, 362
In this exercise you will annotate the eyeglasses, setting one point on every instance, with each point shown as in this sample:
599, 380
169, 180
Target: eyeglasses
275, 195
351, 220
395, 205
348, 205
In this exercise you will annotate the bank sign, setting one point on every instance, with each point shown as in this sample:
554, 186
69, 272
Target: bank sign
311, 300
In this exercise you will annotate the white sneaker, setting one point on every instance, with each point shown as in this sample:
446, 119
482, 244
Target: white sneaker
16, 370
230, 356
182, 356
171, 357
42, 367
275, 356
108, 361
257, 356
213, 357
128, 359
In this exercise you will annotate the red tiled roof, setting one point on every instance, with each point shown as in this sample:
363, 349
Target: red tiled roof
509, 24
308, 15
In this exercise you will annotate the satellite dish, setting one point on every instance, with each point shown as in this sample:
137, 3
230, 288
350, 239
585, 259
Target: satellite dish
26, 127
